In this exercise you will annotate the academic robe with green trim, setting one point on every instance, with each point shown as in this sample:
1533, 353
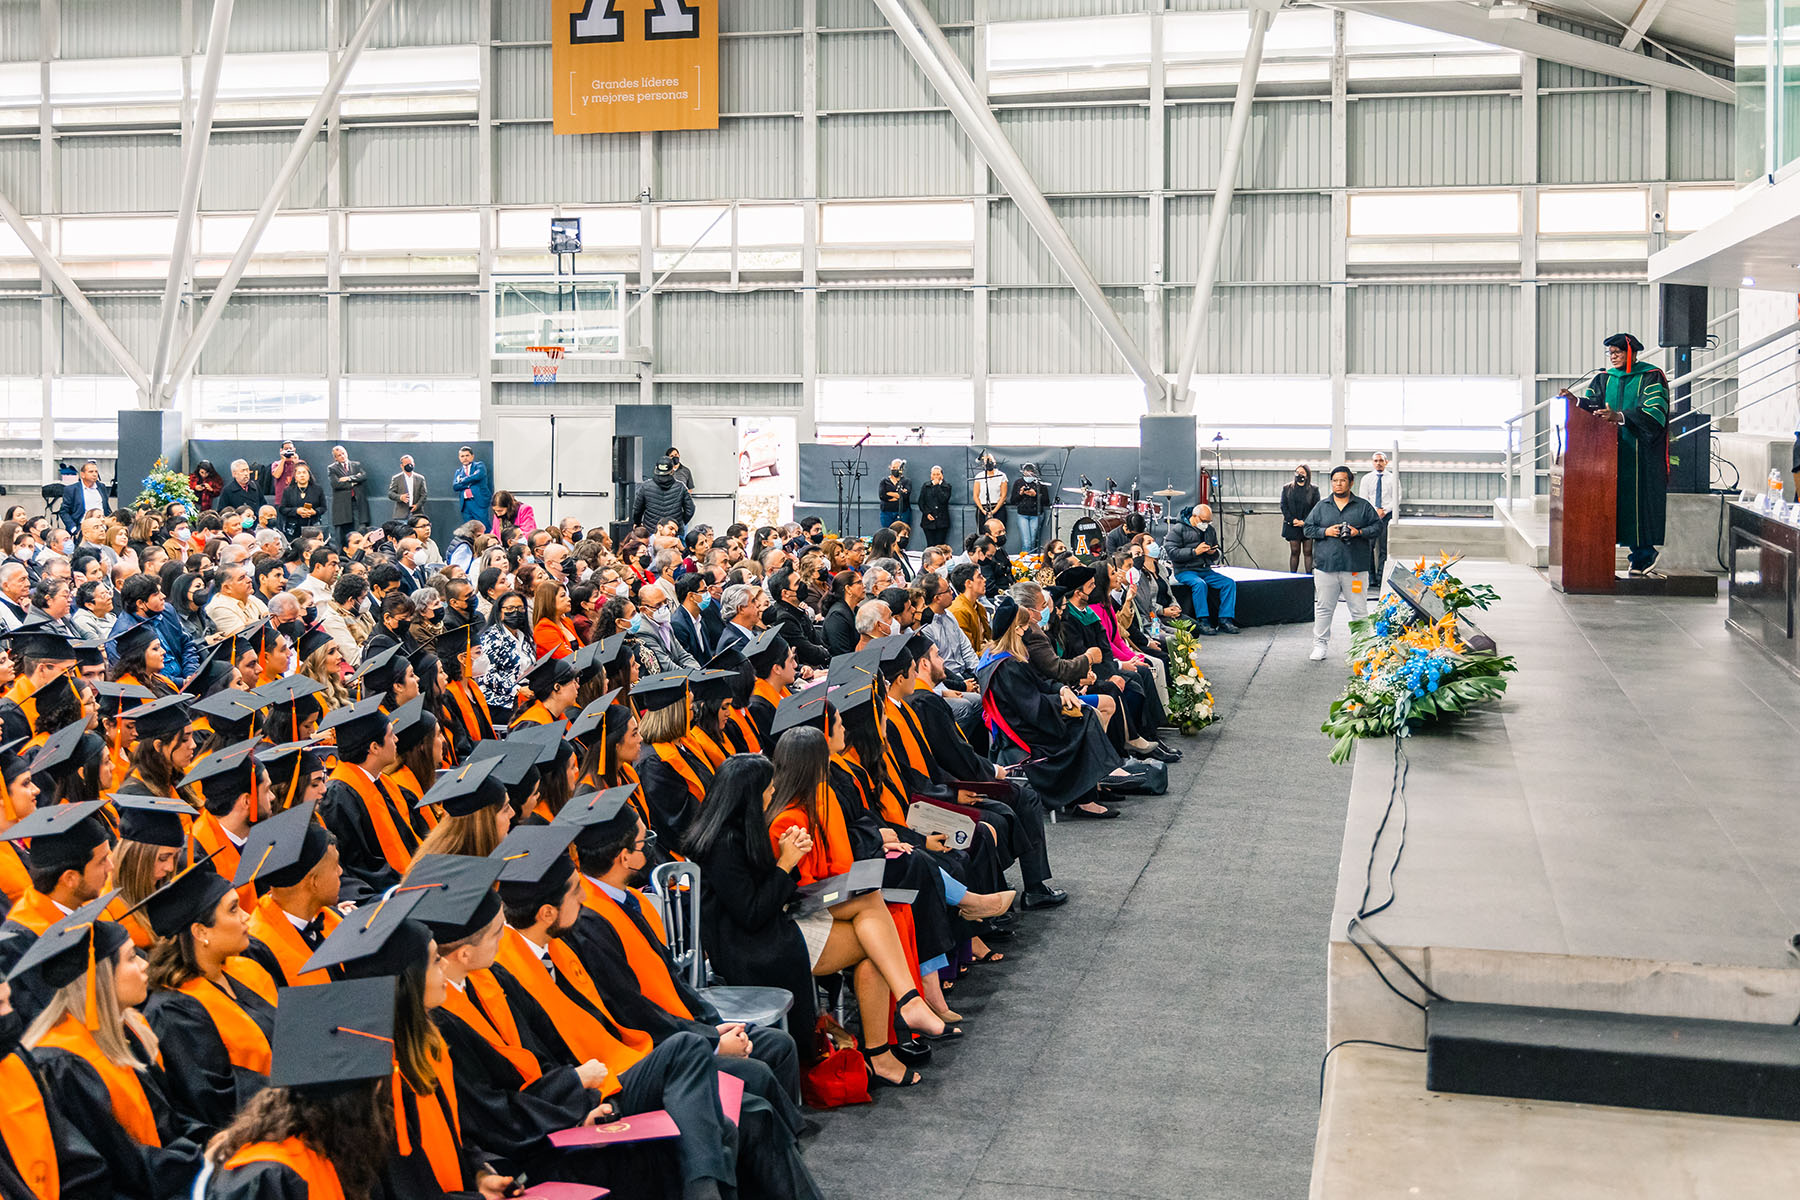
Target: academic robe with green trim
1642, 394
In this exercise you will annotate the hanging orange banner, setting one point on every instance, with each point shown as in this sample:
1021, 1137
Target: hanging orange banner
626, 66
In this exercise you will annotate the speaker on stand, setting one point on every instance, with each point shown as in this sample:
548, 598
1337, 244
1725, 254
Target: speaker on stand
1680, 328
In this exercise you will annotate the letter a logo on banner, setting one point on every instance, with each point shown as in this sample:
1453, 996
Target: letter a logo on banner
627, 66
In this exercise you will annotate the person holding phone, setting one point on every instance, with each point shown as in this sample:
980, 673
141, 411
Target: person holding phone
1344, 525
1297, 500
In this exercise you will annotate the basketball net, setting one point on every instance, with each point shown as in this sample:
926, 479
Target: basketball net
545, 371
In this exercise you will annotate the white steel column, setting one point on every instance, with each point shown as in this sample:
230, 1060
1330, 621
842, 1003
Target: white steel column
1156, 274
1526, 343
484, 264
647, 239
920, 34
981, 295
1261, 12
327, 103
335, 232
1340, 246
49, 201
199, 133
806, 428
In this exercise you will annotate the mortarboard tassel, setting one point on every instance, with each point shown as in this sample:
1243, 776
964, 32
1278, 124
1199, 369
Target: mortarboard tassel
93, 1003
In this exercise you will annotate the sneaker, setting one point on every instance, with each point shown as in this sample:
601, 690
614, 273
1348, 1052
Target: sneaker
1318, 654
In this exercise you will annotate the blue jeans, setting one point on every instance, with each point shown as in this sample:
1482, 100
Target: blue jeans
1028, 531
1198, 582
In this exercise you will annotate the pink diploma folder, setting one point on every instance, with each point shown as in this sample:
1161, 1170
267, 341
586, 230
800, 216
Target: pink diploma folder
643, 1127
563, 1191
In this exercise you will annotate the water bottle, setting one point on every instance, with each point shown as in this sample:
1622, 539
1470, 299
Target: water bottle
1773, 501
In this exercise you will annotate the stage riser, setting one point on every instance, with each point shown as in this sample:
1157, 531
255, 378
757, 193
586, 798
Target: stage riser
1728, 1069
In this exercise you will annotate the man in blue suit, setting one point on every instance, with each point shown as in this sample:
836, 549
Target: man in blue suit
698, 635
84, 496
474, 492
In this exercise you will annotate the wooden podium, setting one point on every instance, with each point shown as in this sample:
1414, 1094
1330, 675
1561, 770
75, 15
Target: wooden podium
1584, 497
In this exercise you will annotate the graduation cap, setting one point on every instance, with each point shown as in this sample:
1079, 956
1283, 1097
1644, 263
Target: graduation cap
659, 691
289, 763
586, 662
134, 642
68, 949
59, 751
896, 658
357, 723
190, 897
548, 673
535, 863
546, 739
310, 641
458, 640
600, 817
115, 697
469, 788
377, 671
161, 719
1071, 578
89, 654
215, 669
611, 650
458, 893
230, 711
155, 820
591, 719
63, 836
767, 650
289, 689
850, 697
331, 1036
282, 850
40, 637
374, 939
1004, 614
224, 774
254, 636
857, 667
810, 707
1624, 341
920, 645
515, 766
412, 724
710, 685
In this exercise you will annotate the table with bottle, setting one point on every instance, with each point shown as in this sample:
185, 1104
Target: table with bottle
1762, 549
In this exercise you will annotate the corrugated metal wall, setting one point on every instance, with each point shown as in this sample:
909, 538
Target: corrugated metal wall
893, 154
437, 333
533, 166
21, 336
1432, 329
1046, 331
120, 173
1288, 145
421, 22
761, 74
760, 396
522, 83
728, 333
132, 318
1101, 149
19, 172
1594, 137
1573, 319
744, 158
240, 166
94, 29
18, 30
269, 335
862, 14
1271, 237
880, 332
1257, 330
759, 15
265, 26
1434, 141
1033, 10
872, 70
410, 165
1700, 138
1112, 233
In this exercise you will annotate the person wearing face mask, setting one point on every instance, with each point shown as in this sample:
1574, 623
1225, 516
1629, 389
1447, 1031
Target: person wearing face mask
652, 625
506, 642
1345, 525
1192, 548
1297, 499
1030, 497
894, 493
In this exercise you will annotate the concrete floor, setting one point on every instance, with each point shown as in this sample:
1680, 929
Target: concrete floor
1159, 1035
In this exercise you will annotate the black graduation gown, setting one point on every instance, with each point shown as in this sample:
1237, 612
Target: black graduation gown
358, 848
204, 1087
1069, 755
946, 744
13, 723
934, 932
762, 716
137, 1170
409, 1176
82, 1172
29, 994
666, 793
749, 937
257, 1181
840, 629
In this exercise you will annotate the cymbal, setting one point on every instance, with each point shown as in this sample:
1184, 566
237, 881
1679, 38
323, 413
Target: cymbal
1078, 491
1168, 492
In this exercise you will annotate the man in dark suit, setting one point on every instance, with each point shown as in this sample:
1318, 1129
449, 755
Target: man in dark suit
87, 494
407, 490
241, 491
688, 622
349, 493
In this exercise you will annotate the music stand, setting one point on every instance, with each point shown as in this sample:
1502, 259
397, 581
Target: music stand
849, 471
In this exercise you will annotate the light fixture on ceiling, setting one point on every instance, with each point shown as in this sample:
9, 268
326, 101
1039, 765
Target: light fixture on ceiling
1747, 281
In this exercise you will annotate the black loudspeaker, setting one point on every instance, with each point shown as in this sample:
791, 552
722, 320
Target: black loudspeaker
1683, 320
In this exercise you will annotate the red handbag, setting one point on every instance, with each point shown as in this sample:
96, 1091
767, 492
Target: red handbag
840, 1077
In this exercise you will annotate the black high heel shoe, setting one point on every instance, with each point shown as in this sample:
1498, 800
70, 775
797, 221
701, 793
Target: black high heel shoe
876, 1079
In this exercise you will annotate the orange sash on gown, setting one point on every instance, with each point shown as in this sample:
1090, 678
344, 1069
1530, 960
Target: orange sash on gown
315, 1169
25, 1129
131, 1106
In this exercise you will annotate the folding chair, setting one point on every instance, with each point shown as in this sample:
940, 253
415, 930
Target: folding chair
678, 883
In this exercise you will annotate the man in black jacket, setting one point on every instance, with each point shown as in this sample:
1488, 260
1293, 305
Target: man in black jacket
796, 628
1192, 548
894, 494
1344, 525
661, 498
240, 491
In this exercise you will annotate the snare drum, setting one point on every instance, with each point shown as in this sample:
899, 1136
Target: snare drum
1118, 502
1092, 498
1148, 508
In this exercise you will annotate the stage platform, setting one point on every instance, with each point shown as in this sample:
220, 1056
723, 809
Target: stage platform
1617, 834
1264, 597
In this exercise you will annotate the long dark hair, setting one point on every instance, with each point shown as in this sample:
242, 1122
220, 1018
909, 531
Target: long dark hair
840, 584
354, 1128
734, 801
862, 733
802, 764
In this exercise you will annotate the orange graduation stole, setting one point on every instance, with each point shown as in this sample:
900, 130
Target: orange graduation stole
380, 804
14, 882
410, 794
585, 1034
670, 753
438, 1134
317, 1171
212, 837
245, 1042
472, 706
131, 1106
832, 853
20, 693
767, 691
505, 1043
25, 1128
269, 925
701, 743
891, 810
35, 911
739, 720
912, 738
135, 925
535, 714
646, 961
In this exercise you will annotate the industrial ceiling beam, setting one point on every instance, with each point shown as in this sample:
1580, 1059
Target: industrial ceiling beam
66, 284
199, 134
1541, 41
1641, 20
925, 41
1261, 13
240, 262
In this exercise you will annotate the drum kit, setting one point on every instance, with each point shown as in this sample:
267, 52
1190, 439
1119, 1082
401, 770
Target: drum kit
1108, 506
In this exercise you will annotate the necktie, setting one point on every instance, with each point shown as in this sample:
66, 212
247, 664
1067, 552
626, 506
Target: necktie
631, 903
313, 932
1377, 491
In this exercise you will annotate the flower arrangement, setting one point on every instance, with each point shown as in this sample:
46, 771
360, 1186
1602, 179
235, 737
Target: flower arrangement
165, 486
1026, 566
1190, 693
1403, 672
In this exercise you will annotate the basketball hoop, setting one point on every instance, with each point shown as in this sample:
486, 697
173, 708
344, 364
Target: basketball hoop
545, 371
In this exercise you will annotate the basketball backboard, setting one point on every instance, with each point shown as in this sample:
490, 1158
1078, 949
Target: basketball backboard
584, 314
